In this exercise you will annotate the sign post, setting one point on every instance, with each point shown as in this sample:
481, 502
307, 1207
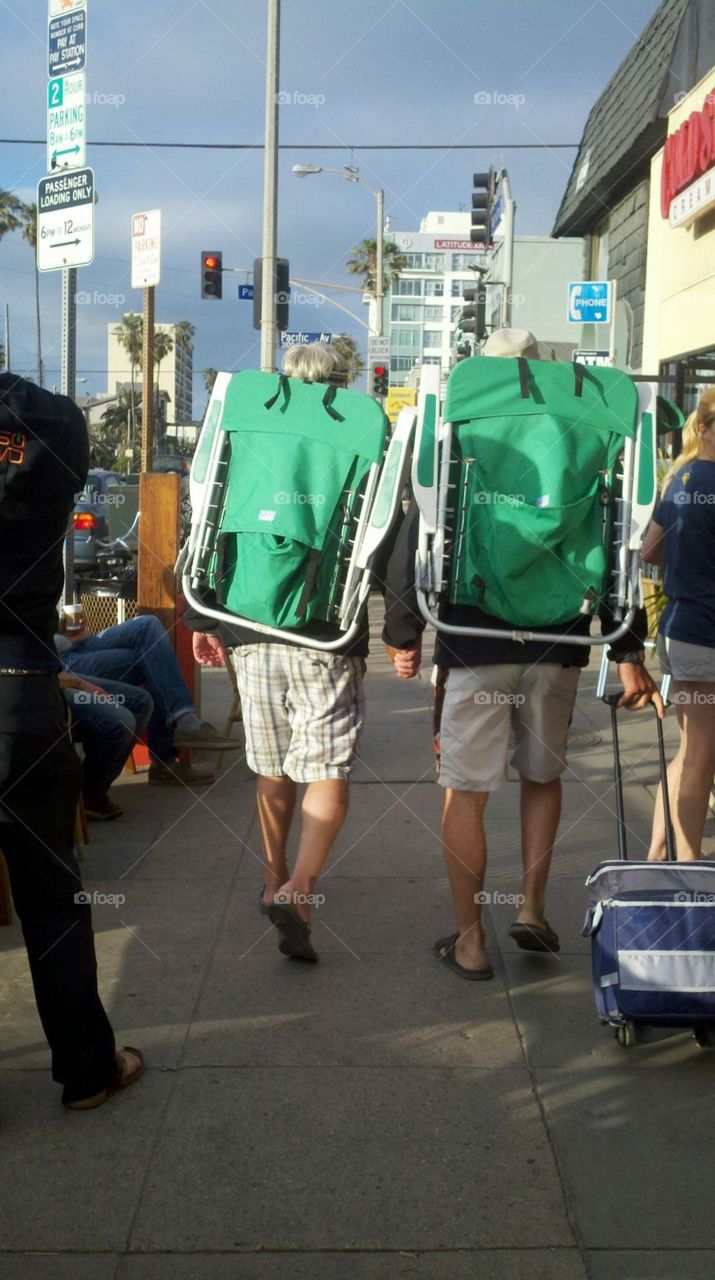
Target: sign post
146, 274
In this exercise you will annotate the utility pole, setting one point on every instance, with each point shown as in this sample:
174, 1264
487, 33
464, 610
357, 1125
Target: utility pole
7, 337
508, 273
379, 270
148, 381
269, 328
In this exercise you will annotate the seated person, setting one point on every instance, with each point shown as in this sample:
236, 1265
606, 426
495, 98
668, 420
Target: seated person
139, 652
107, 719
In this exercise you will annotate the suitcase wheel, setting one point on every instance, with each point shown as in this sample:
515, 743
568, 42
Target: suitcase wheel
626, 1034
704, 1037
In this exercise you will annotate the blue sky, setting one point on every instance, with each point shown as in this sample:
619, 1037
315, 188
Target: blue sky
374, 72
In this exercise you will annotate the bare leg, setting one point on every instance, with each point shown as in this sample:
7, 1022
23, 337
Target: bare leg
540, 816
465, 853
323, 812
690, 774
275, 798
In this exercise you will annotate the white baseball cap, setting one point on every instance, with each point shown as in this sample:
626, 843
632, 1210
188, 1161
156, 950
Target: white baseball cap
511, 342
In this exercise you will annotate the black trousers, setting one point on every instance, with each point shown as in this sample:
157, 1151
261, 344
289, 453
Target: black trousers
39, 786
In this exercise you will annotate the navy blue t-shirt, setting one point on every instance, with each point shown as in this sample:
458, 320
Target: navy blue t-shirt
687, 514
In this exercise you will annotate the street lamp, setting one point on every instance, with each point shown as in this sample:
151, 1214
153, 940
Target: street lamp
351, 173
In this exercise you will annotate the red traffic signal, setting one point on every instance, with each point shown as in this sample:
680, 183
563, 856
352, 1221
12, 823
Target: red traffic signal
211, 277
380, 379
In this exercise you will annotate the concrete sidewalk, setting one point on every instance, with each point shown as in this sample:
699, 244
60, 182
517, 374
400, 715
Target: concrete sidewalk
372, 1117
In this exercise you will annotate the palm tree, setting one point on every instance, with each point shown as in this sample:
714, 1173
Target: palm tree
29, 233
185, 332
351, 360
163, 346
130, 334
364, 263
10, 212
210, 376
108, 437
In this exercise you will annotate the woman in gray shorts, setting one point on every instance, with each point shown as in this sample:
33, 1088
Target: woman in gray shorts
681, 537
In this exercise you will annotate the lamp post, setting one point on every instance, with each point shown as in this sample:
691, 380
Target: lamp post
351, 174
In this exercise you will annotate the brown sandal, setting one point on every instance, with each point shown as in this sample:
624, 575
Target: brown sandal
122, 1080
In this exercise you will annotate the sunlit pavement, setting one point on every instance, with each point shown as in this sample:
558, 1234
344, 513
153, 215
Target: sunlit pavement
372, 1116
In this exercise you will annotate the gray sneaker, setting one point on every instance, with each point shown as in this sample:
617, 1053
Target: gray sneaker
206, 738
179, 774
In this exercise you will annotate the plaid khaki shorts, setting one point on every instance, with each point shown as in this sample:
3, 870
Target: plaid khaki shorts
303, 710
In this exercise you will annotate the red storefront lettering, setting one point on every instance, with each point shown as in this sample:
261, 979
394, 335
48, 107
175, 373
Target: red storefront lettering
688, 152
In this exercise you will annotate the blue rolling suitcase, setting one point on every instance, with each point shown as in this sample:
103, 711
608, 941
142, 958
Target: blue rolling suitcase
652, 929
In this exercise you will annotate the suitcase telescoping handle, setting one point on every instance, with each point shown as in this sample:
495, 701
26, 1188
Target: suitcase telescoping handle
612, 700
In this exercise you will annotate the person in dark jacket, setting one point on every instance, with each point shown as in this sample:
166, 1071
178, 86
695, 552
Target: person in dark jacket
43, 466
489, 689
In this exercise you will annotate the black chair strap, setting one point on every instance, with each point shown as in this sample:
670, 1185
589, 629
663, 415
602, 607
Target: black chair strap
311, 574
284, 386
523, 378
328, 399
578, 378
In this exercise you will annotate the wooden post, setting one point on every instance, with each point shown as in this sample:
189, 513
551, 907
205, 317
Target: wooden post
159, 503
148, 381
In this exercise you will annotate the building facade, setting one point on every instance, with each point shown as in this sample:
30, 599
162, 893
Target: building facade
424, 302
175, 380
679, 330
541, 270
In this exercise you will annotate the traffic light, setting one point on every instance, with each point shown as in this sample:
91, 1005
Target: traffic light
474, 313
380, 380
483, 198
281, 291
211, 277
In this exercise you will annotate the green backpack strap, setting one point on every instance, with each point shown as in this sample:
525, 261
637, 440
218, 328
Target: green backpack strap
311, 574
284, 386
578, 378
523, 378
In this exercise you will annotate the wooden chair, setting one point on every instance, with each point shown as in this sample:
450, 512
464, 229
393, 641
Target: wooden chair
235, 715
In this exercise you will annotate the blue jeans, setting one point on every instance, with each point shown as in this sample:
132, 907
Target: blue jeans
107, 730
138, 652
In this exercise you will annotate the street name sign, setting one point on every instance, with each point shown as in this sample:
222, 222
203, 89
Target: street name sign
589, 302
65, 220
146, 249
245, 292
66, 123
294, 339
378, 347
67, 43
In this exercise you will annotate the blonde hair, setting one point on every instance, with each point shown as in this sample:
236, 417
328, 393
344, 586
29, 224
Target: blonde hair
703, 415
312, 363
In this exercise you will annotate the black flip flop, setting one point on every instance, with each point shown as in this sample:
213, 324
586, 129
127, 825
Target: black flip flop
444, 950
295, 933
534, 937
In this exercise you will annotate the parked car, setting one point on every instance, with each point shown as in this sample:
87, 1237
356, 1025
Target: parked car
105, 510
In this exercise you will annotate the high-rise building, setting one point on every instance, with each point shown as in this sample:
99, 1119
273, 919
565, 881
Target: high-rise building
425, 301
175, 378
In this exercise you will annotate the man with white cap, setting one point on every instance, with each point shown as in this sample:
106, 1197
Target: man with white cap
488, 692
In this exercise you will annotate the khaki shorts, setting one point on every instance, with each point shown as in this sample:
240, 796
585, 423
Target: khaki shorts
483, 706
303, 710
685, 662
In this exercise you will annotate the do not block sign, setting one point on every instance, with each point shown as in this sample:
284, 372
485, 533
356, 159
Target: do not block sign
65, 220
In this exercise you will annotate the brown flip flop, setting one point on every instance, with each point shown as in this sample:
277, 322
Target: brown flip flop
120, 1081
